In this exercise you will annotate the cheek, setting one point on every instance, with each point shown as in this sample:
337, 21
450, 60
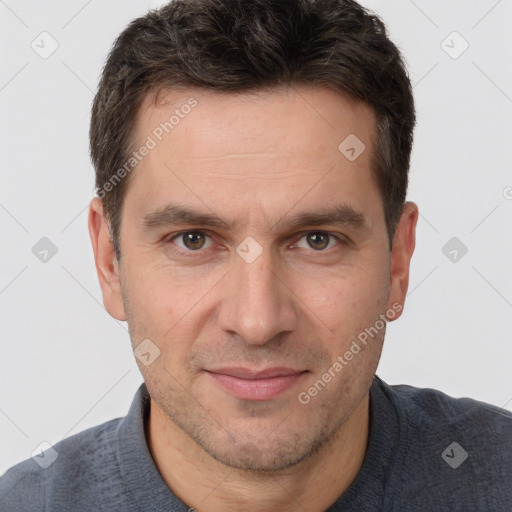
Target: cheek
347, 312
159, 289
152, 308
165, 310
160, 316
350, 299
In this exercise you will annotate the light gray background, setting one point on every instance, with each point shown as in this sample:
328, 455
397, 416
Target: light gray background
66, 365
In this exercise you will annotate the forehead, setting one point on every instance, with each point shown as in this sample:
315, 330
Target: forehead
254, 120
246, 147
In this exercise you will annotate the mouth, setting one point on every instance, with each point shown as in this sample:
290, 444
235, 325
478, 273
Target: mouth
258, 385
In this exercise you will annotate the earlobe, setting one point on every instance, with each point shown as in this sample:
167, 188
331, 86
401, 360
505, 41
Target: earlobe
105, 259
404, 242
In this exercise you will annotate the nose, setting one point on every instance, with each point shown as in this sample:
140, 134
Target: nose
257, 303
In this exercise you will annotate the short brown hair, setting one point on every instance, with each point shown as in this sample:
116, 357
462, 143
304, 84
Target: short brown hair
246, 45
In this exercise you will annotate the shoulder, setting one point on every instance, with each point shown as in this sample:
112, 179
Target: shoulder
431, 409
460, 449
74, 466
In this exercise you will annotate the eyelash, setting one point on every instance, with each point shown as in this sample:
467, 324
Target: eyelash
190, 254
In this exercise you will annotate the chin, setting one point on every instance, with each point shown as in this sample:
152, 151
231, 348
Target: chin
266, 455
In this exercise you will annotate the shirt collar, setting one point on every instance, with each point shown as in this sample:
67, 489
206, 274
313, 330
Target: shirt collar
151, 493
136, 465
367, 491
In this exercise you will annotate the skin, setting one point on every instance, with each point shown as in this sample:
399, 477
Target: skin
253, 160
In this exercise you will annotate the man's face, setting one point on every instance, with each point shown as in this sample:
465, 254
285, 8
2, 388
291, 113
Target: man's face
262, 289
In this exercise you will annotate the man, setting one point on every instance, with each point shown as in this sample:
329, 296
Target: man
251, 227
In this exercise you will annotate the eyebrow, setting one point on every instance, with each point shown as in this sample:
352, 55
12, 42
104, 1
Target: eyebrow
171, 215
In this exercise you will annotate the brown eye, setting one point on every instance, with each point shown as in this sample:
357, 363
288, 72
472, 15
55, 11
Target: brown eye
193, 240
190, 243
318, 240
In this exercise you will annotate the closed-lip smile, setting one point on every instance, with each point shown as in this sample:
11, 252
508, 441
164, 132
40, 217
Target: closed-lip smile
251, 384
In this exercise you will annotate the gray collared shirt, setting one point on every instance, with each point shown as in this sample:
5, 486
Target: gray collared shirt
427, 452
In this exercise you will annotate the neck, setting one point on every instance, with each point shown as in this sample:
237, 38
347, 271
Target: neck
314, 484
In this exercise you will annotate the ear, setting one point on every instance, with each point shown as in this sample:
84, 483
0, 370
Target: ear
404, 242
106, 262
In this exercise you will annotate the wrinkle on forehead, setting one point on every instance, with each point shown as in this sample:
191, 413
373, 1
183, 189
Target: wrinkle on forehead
280, 142
305, 105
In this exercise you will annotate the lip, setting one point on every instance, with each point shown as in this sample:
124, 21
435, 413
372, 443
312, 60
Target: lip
249, 384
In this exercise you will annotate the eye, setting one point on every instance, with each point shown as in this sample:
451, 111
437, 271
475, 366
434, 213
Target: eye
192, 241
188, 242
318, 240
